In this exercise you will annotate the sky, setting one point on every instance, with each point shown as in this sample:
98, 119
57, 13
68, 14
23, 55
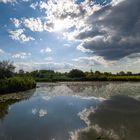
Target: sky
62, 35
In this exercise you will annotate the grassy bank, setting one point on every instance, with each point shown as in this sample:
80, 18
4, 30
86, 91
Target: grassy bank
94, 78
16, 84
123, 78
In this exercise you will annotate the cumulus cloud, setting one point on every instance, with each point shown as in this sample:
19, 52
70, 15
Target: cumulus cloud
21, 55
134, 56
48, 59
34, 5
7, 1
92, 61
1, 51
46, 50
63, 15
66, 45
16, 22
58, 66
115, 30
39, 112
25, 0
110, 30
54, 65
20, 36
83, 49
34, 24
13, 1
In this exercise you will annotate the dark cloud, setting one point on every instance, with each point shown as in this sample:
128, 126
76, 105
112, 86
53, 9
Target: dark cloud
89, 34
117, 32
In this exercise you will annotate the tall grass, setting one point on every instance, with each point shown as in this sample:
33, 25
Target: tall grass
16, 84
123, 78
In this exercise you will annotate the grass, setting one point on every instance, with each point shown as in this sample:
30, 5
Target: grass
16, 84
94, 78
123, 78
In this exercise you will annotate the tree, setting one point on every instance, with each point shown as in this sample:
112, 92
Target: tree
21, 71
129, 73
97, 72
75, 73
6, 69
121, 73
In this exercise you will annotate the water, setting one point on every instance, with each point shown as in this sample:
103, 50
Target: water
72, 111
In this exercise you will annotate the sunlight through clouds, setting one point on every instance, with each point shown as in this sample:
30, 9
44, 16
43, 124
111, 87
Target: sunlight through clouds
106, 29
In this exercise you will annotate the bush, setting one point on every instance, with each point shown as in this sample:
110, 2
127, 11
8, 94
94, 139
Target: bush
75, 73
16, 84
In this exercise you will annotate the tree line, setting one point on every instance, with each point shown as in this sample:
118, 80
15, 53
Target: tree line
7, 70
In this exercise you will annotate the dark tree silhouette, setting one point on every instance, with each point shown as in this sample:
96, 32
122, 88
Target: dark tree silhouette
75, 73
6, 69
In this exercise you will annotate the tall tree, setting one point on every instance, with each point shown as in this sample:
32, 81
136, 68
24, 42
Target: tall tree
6, 69
75, 73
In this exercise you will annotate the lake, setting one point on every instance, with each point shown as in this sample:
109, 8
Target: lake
72, 111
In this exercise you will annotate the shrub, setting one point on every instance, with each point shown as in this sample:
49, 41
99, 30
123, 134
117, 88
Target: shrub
16, 84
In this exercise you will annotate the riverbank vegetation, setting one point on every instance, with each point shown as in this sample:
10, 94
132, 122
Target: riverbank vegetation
78, 75
13, 82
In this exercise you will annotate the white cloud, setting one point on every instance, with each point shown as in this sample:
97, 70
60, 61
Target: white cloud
21, 55
39, 112
1, 51
32, 65
15, 21
54, 65
93, 60
48, 59
116, 2
43, 5
25, 0
42, 112
20, 36
81, 48
66, 45
34, 5
8, 1
63, 15
46, 50
34, 24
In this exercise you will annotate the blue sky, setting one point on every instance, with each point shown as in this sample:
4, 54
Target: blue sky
58, 34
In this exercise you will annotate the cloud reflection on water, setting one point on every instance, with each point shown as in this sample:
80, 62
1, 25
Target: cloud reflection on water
114, 119
39, 112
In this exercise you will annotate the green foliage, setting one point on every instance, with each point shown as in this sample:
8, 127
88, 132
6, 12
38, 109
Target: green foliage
75, 73
6, 69
124, 78
78, 75
15, 84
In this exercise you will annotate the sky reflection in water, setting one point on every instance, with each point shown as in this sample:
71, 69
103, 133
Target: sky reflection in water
74, 111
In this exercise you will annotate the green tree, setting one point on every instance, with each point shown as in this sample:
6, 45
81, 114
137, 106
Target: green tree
6, 69
75, 73
97, 73
21, 72
121, 73
129, 73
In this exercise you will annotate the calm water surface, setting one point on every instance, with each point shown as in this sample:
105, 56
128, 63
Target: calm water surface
72, 111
